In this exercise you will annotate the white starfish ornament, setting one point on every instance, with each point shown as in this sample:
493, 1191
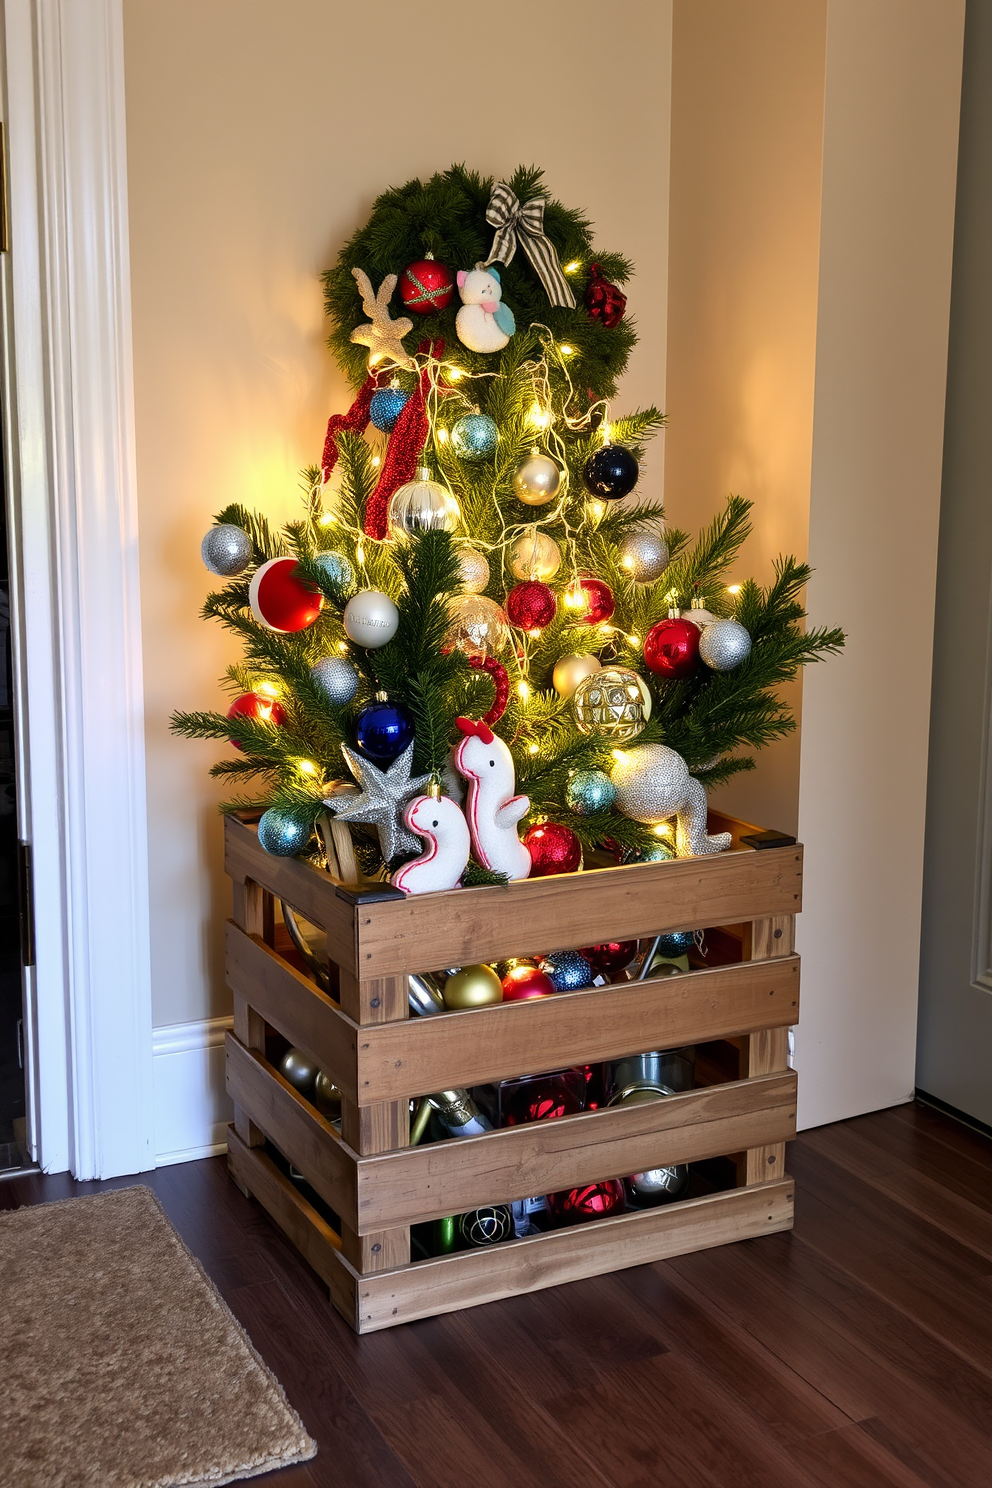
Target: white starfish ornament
384, 337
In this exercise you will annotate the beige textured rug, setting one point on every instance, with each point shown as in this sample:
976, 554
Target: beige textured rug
120, 1364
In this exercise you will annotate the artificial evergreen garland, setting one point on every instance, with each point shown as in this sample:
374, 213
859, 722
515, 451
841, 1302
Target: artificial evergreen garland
546, 395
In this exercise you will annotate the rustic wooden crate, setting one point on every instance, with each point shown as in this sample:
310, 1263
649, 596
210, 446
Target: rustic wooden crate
364, 1039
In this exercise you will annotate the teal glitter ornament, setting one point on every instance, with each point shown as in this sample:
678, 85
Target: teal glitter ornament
386, 406
589, 791
569, 970
336, 569
281, 834
658, 852
679, 943
474, 437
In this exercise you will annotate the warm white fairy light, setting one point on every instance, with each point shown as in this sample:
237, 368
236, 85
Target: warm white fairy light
733, 588
573, 267
566, 350
268, 689
523, 690
442, 436
538, 417
307, 767
533, 749
327, 519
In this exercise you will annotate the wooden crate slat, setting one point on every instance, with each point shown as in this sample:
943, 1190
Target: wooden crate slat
463, 926
469, 1278
313, 1237
295, 1127
423, 1183
449, 1050
294, 1005
301, 884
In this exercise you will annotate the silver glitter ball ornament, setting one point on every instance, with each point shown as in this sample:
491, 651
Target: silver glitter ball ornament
370, 619
473, 567
535, 555
724, 645
280, 834
422, 505
300, 1071
226, 550
652, 782
537, 481
657, 1186
611, 703
644, 555
588, 791
337, 679
486, 1226
339, 573
474, 437
569, 970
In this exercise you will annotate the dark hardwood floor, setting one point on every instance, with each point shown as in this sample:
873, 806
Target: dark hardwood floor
855, 1352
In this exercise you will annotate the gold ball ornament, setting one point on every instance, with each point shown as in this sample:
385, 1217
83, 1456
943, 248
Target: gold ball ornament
474, 569
326, 1095
478, 626
537, 481
472, 987
611, 703
570, 671
422, 505
535, 556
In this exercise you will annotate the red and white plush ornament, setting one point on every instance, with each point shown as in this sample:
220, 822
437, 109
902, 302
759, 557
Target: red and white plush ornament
280, 601
493, 810
439, 821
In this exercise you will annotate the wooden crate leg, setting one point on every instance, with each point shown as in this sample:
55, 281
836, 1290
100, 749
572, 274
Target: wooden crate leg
378, 1128
766, 1052
253, 913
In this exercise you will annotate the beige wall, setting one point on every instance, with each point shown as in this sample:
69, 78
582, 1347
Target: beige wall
258, 134
747, 135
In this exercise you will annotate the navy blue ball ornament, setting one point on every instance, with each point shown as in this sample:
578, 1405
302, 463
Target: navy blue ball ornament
281, 834
474, 437
589, 791
386, 406
568, 970
680, 943
610, 473
383, 731
338, 573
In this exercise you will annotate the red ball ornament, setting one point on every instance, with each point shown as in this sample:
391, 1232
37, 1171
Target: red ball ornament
524, 982
258, 707
611, 955
426, 286
530, 605
280, 601
671, 648
553, 849
604, 301
543, 1100
591, 1201
599, 601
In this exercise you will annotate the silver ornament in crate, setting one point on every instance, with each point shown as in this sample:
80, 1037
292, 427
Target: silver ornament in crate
422, 505
644, 555
653, 783
337, 679
657, 1186
613, 702
280, 834
487, 1226
538, 480
473, 568
535, 555
724, 644
474, 437
226, 550
300, 1071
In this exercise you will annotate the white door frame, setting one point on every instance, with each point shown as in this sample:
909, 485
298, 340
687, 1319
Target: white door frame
76, 623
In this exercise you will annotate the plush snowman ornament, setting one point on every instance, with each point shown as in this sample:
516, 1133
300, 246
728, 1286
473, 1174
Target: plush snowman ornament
483, 323
444, 830
493, 811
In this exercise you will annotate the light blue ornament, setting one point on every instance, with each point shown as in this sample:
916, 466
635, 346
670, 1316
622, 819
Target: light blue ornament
589, 791
386, 406
338, 573
474, 437
337, 679
280, 834
658, 852
568, 970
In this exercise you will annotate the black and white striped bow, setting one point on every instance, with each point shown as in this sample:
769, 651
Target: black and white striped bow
523, 223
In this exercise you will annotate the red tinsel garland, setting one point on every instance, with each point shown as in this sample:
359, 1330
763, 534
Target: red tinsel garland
404, 448
501, 685
355, 421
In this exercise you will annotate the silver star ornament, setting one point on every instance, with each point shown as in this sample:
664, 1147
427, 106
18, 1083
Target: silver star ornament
384, 794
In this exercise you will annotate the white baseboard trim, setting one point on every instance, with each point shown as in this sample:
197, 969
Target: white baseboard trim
192, 1107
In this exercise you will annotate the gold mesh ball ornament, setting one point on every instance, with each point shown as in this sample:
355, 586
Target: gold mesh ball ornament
422, 505
478, 626
534, 556
612, 703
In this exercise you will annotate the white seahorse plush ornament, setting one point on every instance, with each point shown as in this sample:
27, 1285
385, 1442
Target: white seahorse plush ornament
439, 821
492, 809
483, 323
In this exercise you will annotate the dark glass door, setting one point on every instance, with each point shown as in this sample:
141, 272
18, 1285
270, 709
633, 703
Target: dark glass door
12, 1135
